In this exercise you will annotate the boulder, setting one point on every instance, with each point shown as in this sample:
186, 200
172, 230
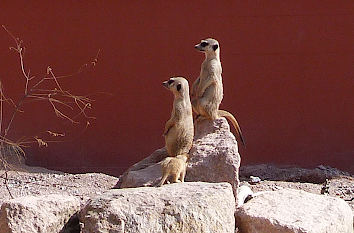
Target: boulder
181, 207
213, 158
146, 172
46, 213
290, 211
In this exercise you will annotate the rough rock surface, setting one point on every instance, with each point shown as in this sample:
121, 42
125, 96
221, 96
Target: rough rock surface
297, 211
47, 213
340, 183
213, 158
146, 172
181, 207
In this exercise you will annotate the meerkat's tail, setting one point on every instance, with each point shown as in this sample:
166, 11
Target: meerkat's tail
234, 122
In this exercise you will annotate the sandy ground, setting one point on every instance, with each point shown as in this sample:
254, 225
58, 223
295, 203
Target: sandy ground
37, 181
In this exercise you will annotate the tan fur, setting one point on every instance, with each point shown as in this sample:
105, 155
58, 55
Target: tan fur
207, 90
174, 167
179, 130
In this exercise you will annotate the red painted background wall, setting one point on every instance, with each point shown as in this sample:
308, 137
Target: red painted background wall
288, 75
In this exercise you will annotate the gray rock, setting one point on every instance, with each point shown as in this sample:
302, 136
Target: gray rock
47, 213
146, 172
290, 211
183, 207
254, 180
213, 158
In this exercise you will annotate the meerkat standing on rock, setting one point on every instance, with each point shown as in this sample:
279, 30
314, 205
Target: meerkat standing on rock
174, 167
207, 90
179, 130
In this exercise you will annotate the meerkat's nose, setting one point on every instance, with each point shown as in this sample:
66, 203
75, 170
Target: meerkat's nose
165, 84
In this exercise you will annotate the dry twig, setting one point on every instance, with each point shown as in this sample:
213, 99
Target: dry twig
45, 88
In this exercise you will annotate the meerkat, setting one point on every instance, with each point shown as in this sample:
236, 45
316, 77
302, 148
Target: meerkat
179, 129
207, 90
174, 167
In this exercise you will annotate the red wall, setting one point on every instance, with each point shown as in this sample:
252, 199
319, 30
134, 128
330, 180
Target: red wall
288, 75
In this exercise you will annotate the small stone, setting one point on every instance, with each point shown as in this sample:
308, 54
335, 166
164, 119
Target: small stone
254, 180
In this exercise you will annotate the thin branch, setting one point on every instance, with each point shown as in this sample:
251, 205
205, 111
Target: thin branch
55, 94
49, 98
50, 71
57, 112
17, 109
6, 185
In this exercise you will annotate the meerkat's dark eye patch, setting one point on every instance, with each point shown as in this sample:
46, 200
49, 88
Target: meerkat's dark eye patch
203, 44
179, 86
170, 81
215, 47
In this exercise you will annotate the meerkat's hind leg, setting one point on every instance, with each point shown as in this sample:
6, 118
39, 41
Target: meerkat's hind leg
201, 118
196, 117
175, 178
194, 103
182, 175
207, 111
163, 179
208, 106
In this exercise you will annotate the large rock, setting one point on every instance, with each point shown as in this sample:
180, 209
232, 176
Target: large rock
182, 207
213, 158
47, 213
145, 173
288, 211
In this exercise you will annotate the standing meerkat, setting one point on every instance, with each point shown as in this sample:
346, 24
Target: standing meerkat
174, 167
179, 129
207, 90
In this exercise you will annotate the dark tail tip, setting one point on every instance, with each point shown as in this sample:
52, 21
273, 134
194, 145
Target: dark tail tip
243, 140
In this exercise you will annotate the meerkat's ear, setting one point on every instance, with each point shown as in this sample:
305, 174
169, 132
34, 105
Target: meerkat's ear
215, 47
179, 86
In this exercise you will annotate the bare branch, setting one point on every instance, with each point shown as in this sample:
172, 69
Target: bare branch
50, 71
44, 88
53, 134
59, 113
40, 142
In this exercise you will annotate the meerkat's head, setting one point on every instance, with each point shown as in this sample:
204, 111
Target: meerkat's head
209, 46
178, 86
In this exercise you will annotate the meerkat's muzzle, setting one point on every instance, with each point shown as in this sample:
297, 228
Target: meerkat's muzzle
165, 84
199, 47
